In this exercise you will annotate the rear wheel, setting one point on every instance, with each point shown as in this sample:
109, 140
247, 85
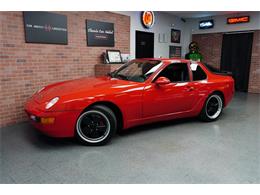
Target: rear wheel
213, 108
96, 125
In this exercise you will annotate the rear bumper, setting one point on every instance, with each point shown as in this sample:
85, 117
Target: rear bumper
64, 123
229, 92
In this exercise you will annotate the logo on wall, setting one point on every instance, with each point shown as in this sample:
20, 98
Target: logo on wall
206, 24
236, 20
100, 33
147, 18
45, 27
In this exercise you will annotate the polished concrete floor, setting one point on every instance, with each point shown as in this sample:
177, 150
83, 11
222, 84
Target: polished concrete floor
183, 151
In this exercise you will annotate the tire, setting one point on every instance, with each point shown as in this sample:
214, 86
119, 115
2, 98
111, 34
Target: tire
96, 126
212, 108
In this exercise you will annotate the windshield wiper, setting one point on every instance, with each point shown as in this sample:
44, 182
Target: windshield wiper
111, 74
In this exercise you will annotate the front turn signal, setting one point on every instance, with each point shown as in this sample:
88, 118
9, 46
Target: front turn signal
48, 120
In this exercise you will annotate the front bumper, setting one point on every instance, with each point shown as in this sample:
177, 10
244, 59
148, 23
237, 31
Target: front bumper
63, 125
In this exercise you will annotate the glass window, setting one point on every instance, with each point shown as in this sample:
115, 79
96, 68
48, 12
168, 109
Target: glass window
176, 72
136, 70
198, 74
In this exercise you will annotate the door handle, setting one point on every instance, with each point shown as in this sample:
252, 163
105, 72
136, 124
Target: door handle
190, 88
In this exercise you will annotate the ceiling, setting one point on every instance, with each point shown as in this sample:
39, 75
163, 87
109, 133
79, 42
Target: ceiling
199, 14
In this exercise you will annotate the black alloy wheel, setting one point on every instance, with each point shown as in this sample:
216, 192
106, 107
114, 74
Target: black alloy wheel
213, 108
96, 125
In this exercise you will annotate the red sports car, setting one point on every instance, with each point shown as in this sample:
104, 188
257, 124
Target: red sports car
141, 91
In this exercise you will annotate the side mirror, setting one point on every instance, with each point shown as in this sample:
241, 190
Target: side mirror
162, 81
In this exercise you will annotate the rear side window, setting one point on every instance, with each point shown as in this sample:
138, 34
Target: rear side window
198, 74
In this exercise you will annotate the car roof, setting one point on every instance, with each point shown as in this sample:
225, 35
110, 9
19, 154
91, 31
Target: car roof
167, 59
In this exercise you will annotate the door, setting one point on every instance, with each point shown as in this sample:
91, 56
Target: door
144, 45
176, 97
236, 57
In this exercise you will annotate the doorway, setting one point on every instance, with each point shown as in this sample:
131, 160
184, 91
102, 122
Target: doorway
236, 57
144, 44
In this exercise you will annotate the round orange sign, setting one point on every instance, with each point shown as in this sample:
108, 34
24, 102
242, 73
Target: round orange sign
148, 19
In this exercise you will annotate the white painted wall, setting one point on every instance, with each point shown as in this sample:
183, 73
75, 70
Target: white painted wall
220, 23
163, 24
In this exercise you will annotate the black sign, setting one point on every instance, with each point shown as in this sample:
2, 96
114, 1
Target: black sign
45, 27
100, 33
206, 24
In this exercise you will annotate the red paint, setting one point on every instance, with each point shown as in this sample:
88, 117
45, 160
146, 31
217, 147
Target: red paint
139, 103
236, 20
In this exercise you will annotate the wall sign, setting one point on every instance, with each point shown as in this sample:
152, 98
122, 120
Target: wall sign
147, 19
206, 24
236, 20
100, 33
45, 27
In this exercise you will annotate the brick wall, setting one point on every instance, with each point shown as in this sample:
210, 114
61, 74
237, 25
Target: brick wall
210, 47
254, 79
26, 67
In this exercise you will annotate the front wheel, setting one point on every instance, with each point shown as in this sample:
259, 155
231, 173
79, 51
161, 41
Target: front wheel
96, 125
212, 109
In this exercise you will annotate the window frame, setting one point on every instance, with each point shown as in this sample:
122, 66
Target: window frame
188, 69
202, 70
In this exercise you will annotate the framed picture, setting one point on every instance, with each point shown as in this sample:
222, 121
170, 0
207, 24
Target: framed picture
114, 56
125, 57
175, 36
174, 52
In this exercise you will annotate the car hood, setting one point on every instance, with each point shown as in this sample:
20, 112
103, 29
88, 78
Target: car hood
82, 87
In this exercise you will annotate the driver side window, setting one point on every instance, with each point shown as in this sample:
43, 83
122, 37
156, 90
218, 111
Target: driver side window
176, 72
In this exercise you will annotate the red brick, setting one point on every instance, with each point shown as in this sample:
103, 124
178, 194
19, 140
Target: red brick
210, 47
26, 67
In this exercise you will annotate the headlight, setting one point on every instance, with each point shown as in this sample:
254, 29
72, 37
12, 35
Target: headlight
52, 102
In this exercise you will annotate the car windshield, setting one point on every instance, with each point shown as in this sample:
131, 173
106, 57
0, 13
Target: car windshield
136, 70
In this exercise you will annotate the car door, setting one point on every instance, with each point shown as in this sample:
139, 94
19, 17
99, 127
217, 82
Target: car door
175, 97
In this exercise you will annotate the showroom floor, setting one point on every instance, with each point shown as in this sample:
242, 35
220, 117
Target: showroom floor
184, 151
